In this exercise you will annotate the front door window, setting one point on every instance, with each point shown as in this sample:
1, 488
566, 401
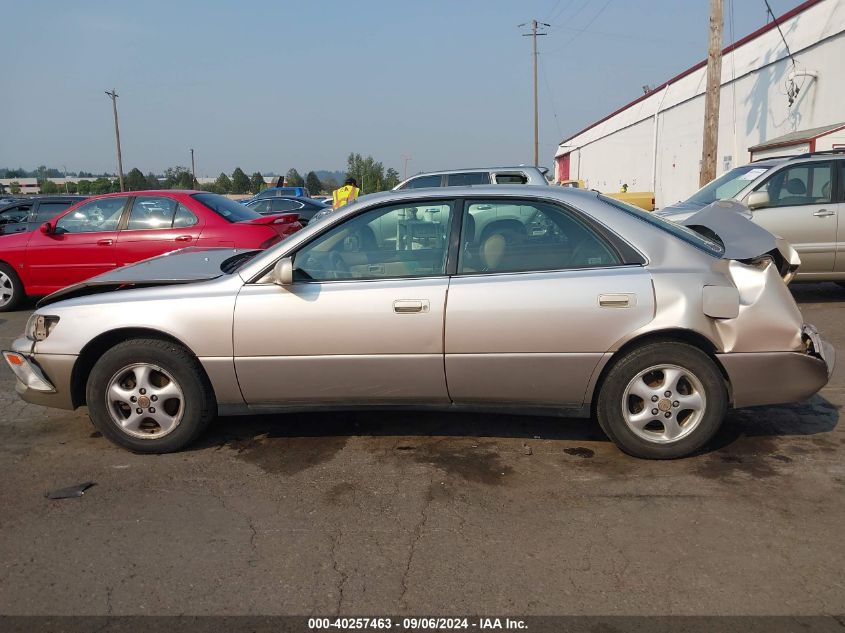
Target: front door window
389, 242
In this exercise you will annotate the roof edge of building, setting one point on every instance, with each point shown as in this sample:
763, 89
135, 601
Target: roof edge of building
731, 47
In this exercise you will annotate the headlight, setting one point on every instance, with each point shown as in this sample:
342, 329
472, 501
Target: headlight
40, 326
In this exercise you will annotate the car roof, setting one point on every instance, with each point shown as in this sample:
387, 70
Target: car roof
460, 171
476, 191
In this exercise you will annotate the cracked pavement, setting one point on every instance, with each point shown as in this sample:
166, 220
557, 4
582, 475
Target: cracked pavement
424, 513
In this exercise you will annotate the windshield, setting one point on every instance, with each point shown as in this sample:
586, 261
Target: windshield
727, 185
709, 246
227, 209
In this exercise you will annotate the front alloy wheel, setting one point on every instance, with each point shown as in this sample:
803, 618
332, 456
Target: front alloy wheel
145, 401
150, 396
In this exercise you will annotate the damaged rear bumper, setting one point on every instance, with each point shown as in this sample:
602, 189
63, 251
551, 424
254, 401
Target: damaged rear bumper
760, 378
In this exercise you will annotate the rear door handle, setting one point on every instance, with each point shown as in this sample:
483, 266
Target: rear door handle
106, 242
184, 238
622, 300
410, 306
823, 213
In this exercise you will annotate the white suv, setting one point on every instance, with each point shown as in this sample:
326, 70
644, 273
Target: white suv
519, 175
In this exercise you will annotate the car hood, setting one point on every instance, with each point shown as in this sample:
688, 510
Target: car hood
685, 207
730, 222
188, 265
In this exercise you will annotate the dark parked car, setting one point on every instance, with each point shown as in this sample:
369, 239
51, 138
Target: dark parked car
307, 208
27, 214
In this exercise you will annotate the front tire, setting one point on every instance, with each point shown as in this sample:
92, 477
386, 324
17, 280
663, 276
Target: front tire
150, 396
662, 401
11, 289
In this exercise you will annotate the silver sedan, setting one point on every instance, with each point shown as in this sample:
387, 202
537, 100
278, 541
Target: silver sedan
506, 298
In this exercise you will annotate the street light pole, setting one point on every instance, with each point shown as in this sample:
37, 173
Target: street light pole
406, 158
113, 96
193, 169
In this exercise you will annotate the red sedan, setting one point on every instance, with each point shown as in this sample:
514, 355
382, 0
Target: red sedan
109, 231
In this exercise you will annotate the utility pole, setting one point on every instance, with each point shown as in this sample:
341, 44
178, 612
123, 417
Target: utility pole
405, 158
193, 170
711, 96
533, 35
113, 96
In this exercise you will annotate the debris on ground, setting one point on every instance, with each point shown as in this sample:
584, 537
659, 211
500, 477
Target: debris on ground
70, 492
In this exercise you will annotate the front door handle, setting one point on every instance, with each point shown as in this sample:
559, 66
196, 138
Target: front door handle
823, 213
622, 300
184, 238
106, 242
410, 306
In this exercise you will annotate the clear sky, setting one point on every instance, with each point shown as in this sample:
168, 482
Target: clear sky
270, 84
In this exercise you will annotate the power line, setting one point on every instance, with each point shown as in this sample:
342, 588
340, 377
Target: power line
587, 26
777, 24
552, 99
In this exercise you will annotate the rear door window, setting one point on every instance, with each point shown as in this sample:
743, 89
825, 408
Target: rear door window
528, 236
424, 181
467, 178
14, 215
151, 212
183, 217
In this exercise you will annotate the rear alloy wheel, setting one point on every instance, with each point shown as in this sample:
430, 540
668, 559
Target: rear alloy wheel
662, 401
11, 289
150, 396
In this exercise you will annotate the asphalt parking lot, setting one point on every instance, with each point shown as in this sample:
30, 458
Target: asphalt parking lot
428, 513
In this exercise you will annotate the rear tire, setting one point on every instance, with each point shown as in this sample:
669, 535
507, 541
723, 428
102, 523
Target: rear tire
662, 401
11, 289
150, 396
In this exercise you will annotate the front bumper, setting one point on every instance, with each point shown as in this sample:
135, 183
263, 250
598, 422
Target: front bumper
778, 377
43, 379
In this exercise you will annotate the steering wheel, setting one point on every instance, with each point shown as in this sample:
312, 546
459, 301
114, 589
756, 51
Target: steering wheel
338, 267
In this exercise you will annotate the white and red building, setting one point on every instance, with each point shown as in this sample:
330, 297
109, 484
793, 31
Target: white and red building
770, 104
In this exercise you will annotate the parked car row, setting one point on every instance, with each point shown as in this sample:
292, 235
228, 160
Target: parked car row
47, 252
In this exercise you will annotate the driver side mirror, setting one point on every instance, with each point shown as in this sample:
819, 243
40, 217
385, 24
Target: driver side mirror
47, 228
757, 199
283, 272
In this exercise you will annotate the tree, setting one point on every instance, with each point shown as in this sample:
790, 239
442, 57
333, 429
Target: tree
240, 181
391, 178
152, 181
293, 179
330, 184
369, 173
101, 185
15, 187
313, 183
84, 187
185, 180
135, 180
178, 178
71, 187
49, 187
223, 184
256, 183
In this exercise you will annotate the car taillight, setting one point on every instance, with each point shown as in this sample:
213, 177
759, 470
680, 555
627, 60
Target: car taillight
270, 241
